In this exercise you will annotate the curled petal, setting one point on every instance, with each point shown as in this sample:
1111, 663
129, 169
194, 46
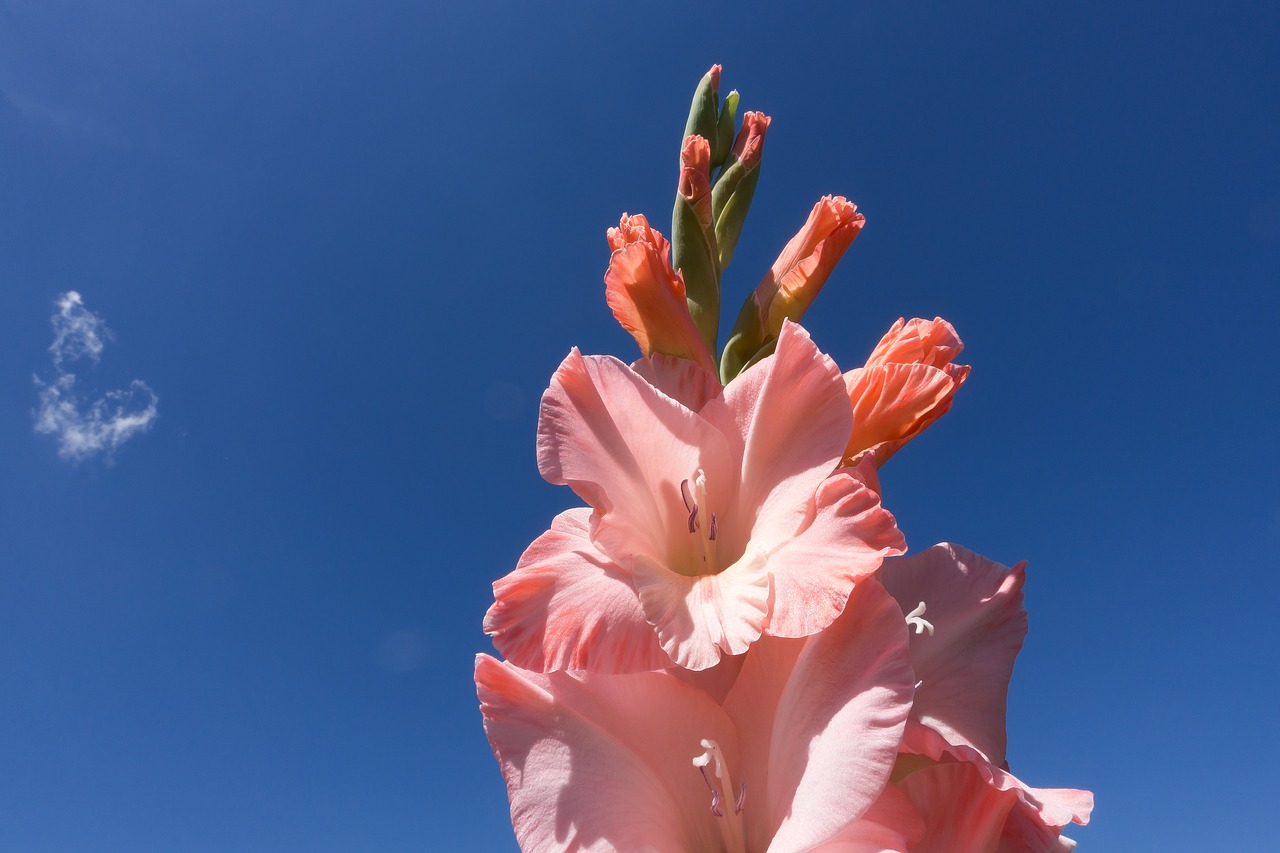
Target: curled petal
702, 618
568, 606
647, 296
1052, 808
848, 539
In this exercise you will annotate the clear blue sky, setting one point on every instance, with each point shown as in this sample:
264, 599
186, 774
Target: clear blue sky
345, 244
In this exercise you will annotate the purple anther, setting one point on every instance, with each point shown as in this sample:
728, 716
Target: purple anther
742, 798
715, 804
691, 507
712, 536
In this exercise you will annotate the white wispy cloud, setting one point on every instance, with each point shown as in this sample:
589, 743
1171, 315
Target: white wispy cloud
85, 429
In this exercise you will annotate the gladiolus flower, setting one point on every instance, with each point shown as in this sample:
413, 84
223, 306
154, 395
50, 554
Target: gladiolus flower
709, 527
797, 756
906, 385
954, 743
647, 296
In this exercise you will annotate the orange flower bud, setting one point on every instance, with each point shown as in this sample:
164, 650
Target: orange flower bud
906, 385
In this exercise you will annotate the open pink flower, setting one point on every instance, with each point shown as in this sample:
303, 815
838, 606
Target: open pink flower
973, 610
710, 525
906, 385
795, 758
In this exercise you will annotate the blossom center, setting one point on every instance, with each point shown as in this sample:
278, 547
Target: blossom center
726, 804
703, 522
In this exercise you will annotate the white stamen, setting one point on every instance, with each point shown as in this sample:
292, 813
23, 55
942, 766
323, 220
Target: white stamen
716, 774
915, 620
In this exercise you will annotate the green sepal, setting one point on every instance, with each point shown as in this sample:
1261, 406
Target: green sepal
693, 251
744, 340
703, 112
722, 143
730, 201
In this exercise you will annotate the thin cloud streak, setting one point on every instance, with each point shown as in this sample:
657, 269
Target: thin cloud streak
108, 422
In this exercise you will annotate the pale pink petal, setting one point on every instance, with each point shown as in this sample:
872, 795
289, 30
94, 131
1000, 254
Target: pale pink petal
1052, 807
701, 618
600, 762
891, 825
848, 539
1023, 833
624, 447
819, 722
789, 418
960, 811
979, 622
568, 606
687, 383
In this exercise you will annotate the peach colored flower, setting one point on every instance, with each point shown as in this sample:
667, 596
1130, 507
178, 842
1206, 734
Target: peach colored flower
795, 757
716, 515
647, 296
906, 385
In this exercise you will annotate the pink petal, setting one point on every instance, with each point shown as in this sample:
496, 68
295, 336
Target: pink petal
933, 342
819, 722
624, 447
893, 403
703, 617
975, 607
1051, 807
848, 539
891, 825
568, 606
687, 383
960, 811
600, 762
788, 418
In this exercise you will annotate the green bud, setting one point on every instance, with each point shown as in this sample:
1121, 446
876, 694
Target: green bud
704, 111
723, 142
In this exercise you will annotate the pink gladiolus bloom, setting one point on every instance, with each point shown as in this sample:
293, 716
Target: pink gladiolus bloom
906, 384
796, 757
973, 609
717, 515
647, 296
791, 285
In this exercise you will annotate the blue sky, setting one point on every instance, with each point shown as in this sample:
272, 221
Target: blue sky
345, 244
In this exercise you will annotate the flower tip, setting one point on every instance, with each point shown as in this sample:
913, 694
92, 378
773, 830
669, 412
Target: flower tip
749, 146
714, 73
